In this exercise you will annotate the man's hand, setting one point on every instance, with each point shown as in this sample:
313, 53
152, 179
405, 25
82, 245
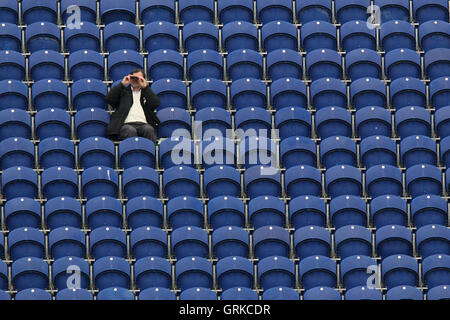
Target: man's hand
126, 80
142, 82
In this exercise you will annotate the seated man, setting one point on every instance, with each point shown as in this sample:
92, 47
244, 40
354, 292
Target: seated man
134, 103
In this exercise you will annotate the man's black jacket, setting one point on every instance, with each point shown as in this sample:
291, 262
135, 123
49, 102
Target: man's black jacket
120, 98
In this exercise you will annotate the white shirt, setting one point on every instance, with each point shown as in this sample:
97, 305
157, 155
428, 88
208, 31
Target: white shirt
136, 113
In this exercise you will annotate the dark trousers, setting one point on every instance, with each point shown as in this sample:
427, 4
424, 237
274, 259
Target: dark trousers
133, 129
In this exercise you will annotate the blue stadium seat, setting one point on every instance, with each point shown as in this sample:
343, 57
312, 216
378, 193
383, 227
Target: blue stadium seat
261, 180
15, 123
307, 211
21, 213
160, 35
327, 92
425, 10
217, 151
317, 271
338, 150
434, 34
404, 293
85, 38
441, 121
343, 180
428, 209
347, 210
185, 211
276, 271
397, 35
157, 294
74, 294
89, 93
122, 62
67, 241
444, 151
437, 63
298, 150
49, 92
189, 241
172, 93
248, 92
19, 182
323, 63
318, 35
349, 10
148, 241
193, 272
423, 179
29, 272
230, 241
371, 121
280, 293
222, 181
111, 272
414, 121
26, 242
436, 271
64, 268
354, 270
33, 294
407, 92
88, 9
99, 181
439, 92
10, 37
400, 270
235, 10
311, 241
165, 64
13, 94
318, 10
393, 9
303, 180
40, 36
203, 64
91, 122
53, 129
239, 294
107, 241
279, 34
12, 65
37, 11
153, 272
234, 272
384, 180
240, 35
356, 35
176, 151
361, 63
244, 64
161, 10
266, 211
200, 35
433, 239
196, 10
438, 293
367, 92
4, 284
208, 93
58, 182
140, 181
86, 64
255, 124
16, 152
115, 294
418, 150
393, 240
9, 11
115, 10
181, 180
215, 121
376, 150
363, 293
144, 211
283, 63
175, 123
387, 210
95, 151
271, 240
121, 35
322, 293
287, 92
103, 211
60, 212
269, 10
402, 63
201, 294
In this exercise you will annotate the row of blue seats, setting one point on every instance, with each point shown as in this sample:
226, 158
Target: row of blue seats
189, 10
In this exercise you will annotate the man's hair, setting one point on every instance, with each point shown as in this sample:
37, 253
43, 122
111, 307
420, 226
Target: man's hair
138, 70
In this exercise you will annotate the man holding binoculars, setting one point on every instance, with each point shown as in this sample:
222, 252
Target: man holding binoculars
134, 104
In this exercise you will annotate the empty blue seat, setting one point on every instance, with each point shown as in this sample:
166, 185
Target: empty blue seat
26, 242
317, 271
13, 94
279, 34
33, 294
230, 241
433, 239
99, 181
435, 270
222, 181
208, 93
248, 92
234, 272
189, 241
107, 241
12, 65
175, 123
362, 63
85, 38
148, 242
418, 150
198, 293
193, 272
400, 270
337, 150
113, 293
185, 211
86, 64
10, 37
407, 92
19, 182
347, 210
397, 35
238, 293
404, 293
240, 35
430, 10
298, 150
215, 122
437, 63
269, 10
15, 123
383, 180
318, 35
63, 211
203, 64
442, 117
327, 92
91, 122
244, 64
67, 241
293, 122
276, 271
312, 241
363, 293
181, 180
122, 62
160, 35
260, 180
144, 211
387, 210
88, 9
157, 294
40, 36
89, 93
318, 10
4, 277
22, 212
74, 294
52, 123
303, 180
414, 121
29, 272
165, 64
366, 92
402, 63
111, 272
9, 11
271, 240
322, 293
444, 150
356, 35
438, 293
37, 11
58, 182
45, 64
307, 211
283, 63
266, 211
16, 152
153, 272
114, 10
321, 63
423, 179
235, 10
280, 293
197, 10
288, 92
177, 151
200, 35
140, 181
376, 150
121, 35
393, 9
161, 10
439, 92
373, 121
172, 93
103, 211
95, 151
217, 150
428, 209
49, 92
434, 34
393, 240
354, 270
349, 10
343, 180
